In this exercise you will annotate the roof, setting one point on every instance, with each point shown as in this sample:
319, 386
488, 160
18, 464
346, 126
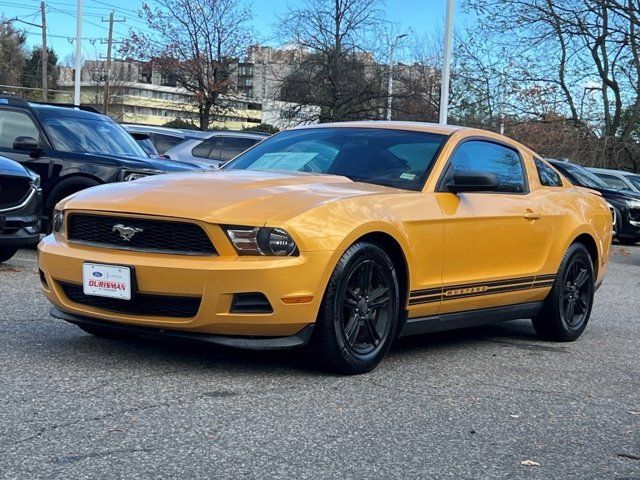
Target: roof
45, 111
174, 132
612, 171
392, 125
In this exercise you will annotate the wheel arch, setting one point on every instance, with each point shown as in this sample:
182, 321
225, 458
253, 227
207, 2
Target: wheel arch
592, 247
68, 183
393, 248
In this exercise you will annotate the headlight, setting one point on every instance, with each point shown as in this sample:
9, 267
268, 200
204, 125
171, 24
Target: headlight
632, 203
130, 175
35, 180
262, 241
58, 222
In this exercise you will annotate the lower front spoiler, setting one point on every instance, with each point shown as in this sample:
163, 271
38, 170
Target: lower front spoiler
300, 339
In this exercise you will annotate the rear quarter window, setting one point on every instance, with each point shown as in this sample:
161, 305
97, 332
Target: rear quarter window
547, 175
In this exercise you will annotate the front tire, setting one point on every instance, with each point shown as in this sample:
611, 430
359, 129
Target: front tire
567, 308
6, 253
359, 313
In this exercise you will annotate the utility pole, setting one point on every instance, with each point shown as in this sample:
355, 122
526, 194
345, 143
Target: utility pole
105, 106
78, 76
45, 53
446, 67
392, 47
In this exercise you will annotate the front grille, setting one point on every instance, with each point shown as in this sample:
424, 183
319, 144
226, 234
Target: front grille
634, 214
140, 304
13, 190
150, 235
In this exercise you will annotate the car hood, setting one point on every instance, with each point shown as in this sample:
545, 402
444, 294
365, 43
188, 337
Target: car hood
237, 197
136, 163
611, 194
10, 167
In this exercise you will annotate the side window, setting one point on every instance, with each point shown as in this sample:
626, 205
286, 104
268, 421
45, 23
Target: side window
209, 148
16, 124
164, 142
233, 146
547, 175
488, 157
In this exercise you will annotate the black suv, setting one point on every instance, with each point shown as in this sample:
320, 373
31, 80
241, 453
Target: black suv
626, 204
20, 204
72, 148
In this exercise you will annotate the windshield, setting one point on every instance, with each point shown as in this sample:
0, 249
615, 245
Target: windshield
582, 176
86, 135
634, 180
394, 158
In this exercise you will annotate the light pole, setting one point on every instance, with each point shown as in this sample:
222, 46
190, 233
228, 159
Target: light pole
78, 75
394, 44
446, 67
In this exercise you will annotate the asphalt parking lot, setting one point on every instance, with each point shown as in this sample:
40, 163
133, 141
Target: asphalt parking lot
472, 404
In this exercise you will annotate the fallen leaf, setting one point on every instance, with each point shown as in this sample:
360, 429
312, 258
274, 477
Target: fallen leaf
514, 416
628, 456
529, 463
634, 413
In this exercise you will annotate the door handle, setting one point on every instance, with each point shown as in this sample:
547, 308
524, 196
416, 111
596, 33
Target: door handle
529, 215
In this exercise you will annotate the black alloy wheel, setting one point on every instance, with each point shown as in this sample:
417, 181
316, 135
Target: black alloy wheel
366, 302
567, 308
359, 314
577, 293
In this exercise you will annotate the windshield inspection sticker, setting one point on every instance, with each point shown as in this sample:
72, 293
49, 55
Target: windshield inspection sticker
407, 176
288, 161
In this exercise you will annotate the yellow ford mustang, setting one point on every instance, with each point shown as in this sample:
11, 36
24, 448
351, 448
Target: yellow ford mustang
340, 236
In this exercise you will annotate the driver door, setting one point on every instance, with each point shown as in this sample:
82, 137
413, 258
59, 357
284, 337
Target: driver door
494, 242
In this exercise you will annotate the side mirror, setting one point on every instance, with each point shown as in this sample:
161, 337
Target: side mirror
27, 144
473, 182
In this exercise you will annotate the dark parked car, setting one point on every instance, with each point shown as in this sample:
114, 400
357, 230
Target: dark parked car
625, 203
20, 204
72, 149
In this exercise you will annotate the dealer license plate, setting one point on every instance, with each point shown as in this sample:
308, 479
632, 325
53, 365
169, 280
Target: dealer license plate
111, 281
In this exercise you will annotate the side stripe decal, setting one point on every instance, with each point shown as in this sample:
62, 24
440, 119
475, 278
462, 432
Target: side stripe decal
468, 290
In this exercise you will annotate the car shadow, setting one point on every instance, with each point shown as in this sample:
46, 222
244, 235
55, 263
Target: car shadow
189, 356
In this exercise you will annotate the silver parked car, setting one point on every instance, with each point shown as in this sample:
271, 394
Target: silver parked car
163, 138
215, 148
618, 179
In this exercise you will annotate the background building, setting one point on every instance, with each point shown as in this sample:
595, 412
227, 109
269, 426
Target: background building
139, 93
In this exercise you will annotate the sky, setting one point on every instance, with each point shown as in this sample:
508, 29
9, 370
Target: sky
409, 15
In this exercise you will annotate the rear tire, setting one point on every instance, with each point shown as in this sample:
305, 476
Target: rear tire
568, 306
359, 313
628, 241
6, 253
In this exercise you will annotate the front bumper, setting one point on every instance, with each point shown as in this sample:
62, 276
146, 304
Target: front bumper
214, 279
21, 226
249, 343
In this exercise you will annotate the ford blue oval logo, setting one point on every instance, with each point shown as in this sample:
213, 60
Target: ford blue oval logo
97, 274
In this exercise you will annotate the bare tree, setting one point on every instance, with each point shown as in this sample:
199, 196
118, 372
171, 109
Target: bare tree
196, 44
336, 72
584, 55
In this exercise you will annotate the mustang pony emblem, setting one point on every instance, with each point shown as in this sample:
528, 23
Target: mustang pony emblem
126, 233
